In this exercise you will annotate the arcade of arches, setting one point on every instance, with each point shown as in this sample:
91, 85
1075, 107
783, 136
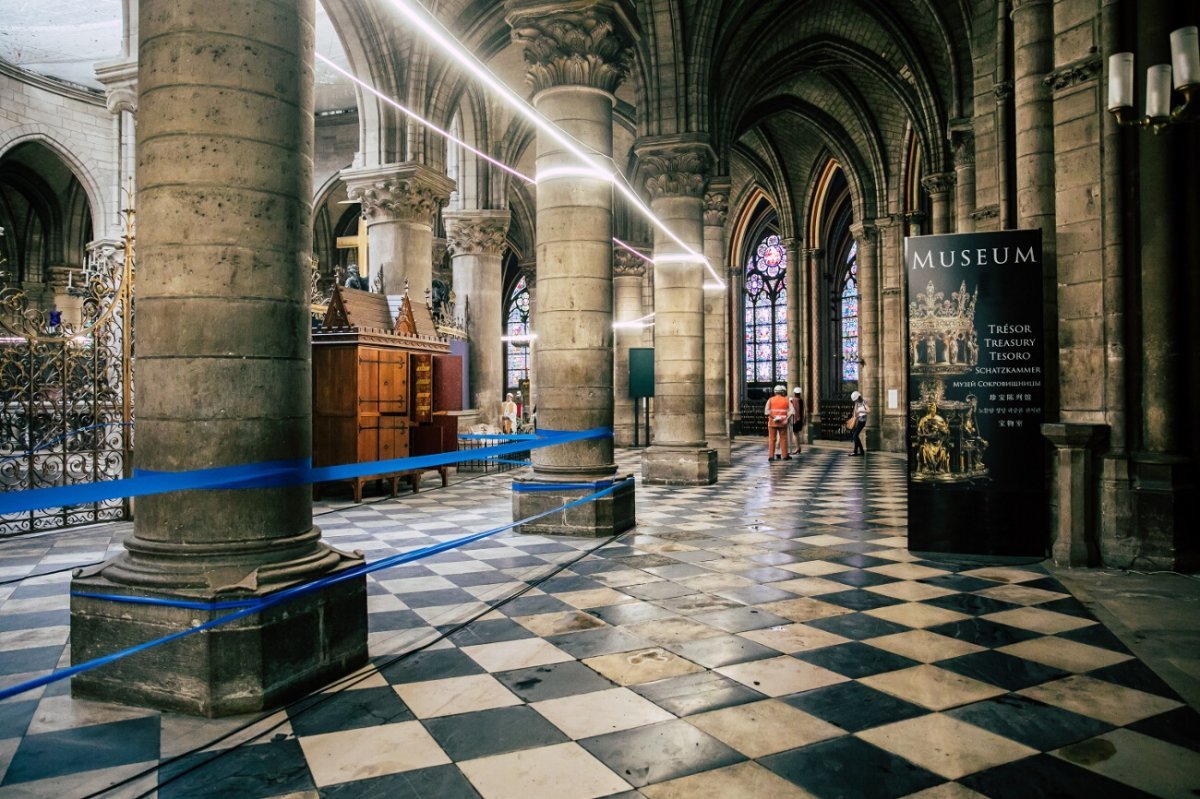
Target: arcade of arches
795, 143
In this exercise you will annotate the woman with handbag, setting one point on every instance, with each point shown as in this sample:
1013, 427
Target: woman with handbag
858, 417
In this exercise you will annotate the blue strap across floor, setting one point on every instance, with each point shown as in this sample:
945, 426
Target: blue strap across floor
267, 475
243, 608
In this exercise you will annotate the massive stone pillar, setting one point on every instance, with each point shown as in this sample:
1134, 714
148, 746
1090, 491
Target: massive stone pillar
870, 363
225, 143
795, 313
716, 323
941, 189
812, 379
476, 243
964, 179
578, 54
676, 171
628, 273
889, 256
400, 203
1033, 40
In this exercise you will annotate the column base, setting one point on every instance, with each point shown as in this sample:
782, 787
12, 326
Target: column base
1073, 527
247, 665
893, 434
1164, 510
611, 514
724, 449
679, 466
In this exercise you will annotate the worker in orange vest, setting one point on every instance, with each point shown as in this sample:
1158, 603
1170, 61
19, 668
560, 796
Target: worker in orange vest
777, 412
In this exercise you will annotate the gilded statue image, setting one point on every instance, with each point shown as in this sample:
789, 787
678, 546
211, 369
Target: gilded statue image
933, 435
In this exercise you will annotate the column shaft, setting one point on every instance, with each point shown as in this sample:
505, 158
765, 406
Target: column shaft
716, 325
869, 370
224, 141
628, 273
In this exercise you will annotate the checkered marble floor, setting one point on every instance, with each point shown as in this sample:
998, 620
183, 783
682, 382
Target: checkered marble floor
769, 636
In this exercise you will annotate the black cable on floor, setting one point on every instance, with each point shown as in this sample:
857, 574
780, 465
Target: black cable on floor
340, 687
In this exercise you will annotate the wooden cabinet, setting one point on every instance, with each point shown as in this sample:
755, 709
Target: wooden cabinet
372, 388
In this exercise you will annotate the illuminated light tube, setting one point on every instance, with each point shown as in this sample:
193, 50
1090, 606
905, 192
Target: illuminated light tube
680, 258
422, 120
527, 337
437, 33
714, 287
626, 247
575, 172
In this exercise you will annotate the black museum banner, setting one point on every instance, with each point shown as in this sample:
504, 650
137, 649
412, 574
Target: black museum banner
976, 456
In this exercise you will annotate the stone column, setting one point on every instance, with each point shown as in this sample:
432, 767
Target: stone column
400, 203
628, 273
1074, 528
964, 179
1033, 41
795, 320
889, 257
812, 384
577, 54
476, 243
225, 162
716, 324
868, 346
119, 78
676, 171
940, 187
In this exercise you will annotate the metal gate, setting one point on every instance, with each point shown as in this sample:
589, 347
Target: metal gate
66, 388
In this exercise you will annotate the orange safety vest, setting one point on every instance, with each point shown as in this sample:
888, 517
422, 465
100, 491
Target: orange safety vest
777, 411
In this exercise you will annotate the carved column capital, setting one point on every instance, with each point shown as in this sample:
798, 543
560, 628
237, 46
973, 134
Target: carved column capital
580, 43
716, 202
939, 183
675, 168
864, 234
119, 79
627, 264
963, 143
399, 192
476, 232
1003, 91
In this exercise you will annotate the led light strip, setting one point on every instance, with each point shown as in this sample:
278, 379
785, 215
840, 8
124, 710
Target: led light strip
417, 117
638, 253
450, 46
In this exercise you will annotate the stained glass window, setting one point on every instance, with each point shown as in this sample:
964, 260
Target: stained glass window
849, 308
766, 313
516, 323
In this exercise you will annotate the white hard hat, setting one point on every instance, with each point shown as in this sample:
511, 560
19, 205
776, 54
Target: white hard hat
797, 390
780, 390
854, 395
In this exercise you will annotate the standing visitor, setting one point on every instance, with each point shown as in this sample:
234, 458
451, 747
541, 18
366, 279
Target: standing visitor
777, 423
859, 415
796, 416
508, 414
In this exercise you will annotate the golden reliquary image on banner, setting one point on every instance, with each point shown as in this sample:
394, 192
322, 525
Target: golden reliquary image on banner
942, 343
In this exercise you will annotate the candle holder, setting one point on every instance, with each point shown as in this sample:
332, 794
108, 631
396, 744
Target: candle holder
1160, 114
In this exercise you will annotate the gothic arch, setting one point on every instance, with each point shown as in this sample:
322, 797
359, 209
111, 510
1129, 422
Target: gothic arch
102, 217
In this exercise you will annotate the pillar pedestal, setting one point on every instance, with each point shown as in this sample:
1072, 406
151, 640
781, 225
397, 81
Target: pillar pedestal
1073, 527
679, 466
599, 518
1164, 509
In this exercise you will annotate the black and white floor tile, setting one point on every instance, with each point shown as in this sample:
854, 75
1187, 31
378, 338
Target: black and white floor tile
769, 636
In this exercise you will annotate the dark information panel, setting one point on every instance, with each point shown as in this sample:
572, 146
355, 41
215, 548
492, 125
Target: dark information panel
976, 456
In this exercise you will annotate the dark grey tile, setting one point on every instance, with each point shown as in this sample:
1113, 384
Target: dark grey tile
600, 641
15, 717
851, 768
439, 782
662, 589
855, 659
258, 770
553, 681
767, 574
858, 599
444, 596
1044, 775
393, 620
489, 631
1096, 635
660, 752
1029, 722
31, 621
1180, 727
860, 578
96, 746
694, 604
432, 664
858, 626
492, 732
534, 605
40, 658
629, 613
971, 604
1001, 669
740, 618
697, 693
721, 650
983, 632
1135, 674
756, 594
347, 710
854, 707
